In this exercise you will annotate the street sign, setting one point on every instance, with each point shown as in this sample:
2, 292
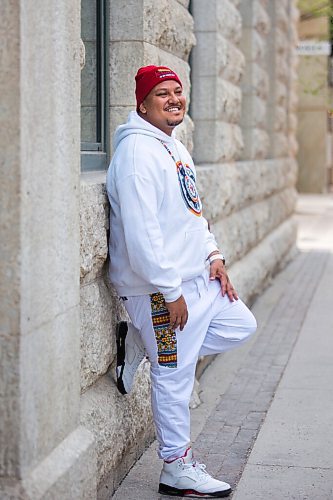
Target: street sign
312, 48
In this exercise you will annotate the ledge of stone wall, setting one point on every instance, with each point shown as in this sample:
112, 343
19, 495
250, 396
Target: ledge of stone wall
67, 473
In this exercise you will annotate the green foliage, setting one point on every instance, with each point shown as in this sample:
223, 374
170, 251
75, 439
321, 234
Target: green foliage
315, 8
313, 78
310, 9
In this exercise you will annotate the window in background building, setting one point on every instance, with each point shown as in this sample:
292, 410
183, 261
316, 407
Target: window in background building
93, 85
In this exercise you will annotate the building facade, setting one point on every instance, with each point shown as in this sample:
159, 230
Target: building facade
315, 104
67, 81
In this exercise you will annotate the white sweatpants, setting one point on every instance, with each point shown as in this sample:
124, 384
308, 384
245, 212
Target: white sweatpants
214, 325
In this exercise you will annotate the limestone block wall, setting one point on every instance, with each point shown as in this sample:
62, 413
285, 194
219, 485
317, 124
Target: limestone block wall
282, 64
255, 83
217, 66
249, 194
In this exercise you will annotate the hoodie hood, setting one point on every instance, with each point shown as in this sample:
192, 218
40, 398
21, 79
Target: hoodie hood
137, 125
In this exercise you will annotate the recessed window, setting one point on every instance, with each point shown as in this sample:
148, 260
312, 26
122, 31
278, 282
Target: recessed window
93, 86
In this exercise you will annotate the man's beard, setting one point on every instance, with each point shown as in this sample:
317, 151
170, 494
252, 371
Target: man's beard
174, 123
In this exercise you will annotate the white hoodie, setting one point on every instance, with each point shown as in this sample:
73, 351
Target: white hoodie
158, 236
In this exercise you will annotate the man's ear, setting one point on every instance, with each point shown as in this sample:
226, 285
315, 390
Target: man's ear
142, 108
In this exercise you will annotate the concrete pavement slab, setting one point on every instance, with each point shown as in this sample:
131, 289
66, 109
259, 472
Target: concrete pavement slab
292, 456
264, 482
297, 431
310, 366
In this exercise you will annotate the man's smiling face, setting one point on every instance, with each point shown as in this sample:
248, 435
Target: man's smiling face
164, 106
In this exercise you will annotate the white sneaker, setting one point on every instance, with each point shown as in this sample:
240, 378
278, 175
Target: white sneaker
184, 477
130, 353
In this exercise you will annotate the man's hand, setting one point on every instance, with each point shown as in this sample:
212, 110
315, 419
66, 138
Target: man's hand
178, 313
218, 271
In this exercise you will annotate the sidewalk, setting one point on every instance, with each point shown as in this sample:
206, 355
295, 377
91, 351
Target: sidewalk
293, 455
274, 395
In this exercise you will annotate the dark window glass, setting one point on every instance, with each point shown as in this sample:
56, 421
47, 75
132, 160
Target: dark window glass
93, 85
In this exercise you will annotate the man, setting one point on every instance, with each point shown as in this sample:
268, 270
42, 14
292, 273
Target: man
166, 266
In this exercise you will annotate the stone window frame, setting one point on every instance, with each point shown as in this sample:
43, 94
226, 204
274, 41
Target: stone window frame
95, 154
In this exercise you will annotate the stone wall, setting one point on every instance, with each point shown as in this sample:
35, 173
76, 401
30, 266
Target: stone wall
243, 107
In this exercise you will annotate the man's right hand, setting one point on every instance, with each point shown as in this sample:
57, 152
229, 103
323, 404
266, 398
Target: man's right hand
178, 313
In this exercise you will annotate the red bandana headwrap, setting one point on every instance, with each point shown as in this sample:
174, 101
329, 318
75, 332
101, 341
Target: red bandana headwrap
148, 77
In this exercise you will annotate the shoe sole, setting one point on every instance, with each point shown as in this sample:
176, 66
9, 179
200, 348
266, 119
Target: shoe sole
164, 489
121, 334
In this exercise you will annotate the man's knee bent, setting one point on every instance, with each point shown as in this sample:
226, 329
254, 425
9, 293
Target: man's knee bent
250, 324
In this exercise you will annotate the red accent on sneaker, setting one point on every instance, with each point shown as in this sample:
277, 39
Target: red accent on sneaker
194, 492
183, 456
